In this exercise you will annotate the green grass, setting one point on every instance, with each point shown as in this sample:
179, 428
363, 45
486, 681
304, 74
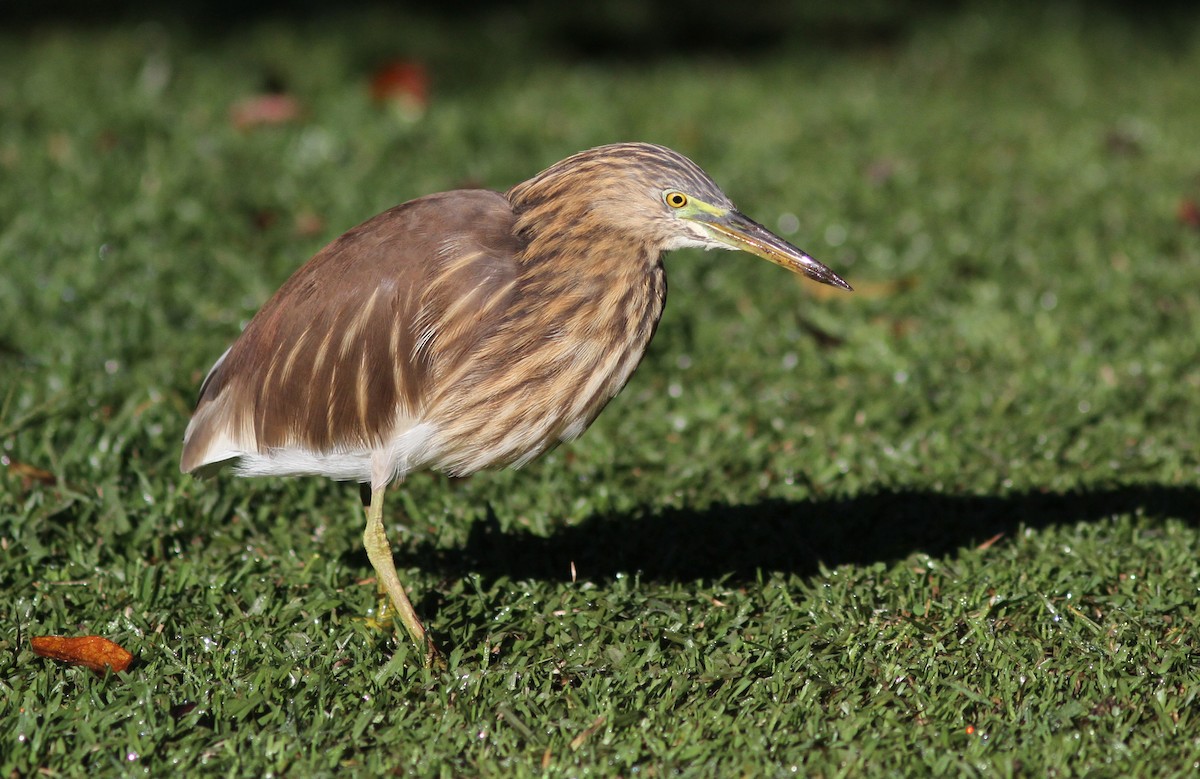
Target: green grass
778, 532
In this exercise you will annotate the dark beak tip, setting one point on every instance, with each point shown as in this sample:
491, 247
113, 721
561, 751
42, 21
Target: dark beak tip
827, 276
761, 241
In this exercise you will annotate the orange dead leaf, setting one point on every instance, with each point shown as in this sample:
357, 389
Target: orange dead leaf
93, 652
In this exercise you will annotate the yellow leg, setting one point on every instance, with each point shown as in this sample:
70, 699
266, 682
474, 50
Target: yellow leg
380, 554
383, 609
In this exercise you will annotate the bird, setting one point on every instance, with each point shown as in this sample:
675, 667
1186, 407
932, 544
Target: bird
465, 330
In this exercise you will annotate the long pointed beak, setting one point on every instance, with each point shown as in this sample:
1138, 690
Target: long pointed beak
738, 231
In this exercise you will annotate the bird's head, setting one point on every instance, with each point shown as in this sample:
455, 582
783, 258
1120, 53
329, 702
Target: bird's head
656, 196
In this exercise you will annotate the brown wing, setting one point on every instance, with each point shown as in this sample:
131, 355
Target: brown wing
346, 349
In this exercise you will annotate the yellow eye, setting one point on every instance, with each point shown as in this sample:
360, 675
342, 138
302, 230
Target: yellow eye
676, 199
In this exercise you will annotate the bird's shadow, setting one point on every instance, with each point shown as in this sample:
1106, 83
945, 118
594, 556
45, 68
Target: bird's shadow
736, 542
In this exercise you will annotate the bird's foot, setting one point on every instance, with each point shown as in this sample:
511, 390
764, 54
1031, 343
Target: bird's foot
381, 617
434, 659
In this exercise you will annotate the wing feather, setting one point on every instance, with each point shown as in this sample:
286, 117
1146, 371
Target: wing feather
342, 357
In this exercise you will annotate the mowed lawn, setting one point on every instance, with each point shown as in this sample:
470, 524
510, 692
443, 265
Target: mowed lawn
946, 524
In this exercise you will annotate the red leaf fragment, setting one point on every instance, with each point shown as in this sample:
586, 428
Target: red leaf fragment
1189, 213
95, 653
260, 110
401, 81
308, 224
